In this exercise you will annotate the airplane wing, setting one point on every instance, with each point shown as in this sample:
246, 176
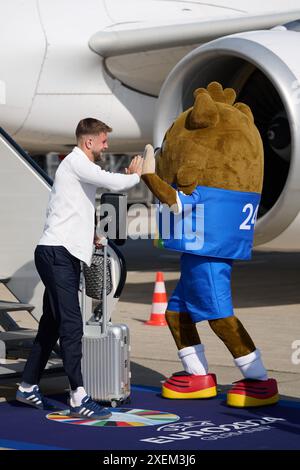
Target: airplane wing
164, 45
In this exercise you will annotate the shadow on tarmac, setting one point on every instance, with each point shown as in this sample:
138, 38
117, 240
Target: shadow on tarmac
269, 279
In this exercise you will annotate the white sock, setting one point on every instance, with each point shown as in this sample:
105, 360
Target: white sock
25, 387
194, 360
76, 396
251, 366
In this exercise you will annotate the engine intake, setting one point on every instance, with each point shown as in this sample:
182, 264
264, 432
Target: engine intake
263, 69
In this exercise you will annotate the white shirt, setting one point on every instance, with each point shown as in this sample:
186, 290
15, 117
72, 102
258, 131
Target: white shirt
71, 208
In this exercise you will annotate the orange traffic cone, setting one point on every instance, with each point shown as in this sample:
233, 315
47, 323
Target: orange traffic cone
159, 302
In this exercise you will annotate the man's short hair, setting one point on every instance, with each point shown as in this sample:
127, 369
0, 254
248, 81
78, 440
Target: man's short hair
91, 126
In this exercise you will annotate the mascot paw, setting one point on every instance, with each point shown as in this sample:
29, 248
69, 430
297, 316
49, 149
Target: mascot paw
248, 392
183, 385
149, 160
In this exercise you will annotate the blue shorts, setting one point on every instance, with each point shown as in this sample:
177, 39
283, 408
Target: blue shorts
204, 288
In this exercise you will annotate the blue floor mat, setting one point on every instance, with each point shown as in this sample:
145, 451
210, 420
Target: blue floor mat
153, 423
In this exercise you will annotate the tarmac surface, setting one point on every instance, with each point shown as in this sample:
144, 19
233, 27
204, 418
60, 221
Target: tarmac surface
266, 297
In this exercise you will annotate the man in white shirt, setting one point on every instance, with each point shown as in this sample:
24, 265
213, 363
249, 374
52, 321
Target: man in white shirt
67, 239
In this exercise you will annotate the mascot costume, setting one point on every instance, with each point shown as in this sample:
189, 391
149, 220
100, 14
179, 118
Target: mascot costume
208, 178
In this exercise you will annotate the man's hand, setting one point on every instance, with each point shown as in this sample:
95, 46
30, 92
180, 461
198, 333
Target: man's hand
149, 160
135, 166
97, 241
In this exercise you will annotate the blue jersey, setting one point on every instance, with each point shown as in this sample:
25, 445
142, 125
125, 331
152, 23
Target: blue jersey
211, 222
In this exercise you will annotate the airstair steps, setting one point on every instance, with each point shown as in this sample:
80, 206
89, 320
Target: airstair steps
6, 306
13, 344
12, 369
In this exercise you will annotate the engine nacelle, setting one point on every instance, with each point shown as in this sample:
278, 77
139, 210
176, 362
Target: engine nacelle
263, 68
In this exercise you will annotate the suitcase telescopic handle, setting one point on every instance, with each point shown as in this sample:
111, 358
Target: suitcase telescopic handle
83, 303
104, 293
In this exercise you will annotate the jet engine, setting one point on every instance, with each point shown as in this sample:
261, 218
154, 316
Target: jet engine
263, 68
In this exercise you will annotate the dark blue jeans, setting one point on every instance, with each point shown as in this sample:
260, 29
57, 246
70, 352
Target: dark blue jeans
61, 319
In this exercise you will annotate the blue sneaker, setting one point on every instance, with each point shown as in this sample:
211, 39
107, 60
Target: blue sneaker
35, 398
89, 409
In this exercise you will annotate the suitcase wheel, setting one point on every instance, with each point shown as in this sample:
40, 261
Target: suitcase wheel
116, 403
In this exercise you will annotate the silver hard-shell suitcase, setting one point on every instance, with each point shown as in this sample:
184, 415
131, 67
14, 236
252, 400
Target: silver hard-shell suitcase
105, 354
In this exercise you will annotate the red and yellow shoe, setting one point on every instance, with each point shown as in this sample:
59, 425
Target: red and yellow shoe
183, 386
249, 392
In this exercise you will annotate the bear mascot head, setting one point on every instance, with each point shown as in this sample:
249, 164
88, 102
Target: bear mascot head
214, 143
